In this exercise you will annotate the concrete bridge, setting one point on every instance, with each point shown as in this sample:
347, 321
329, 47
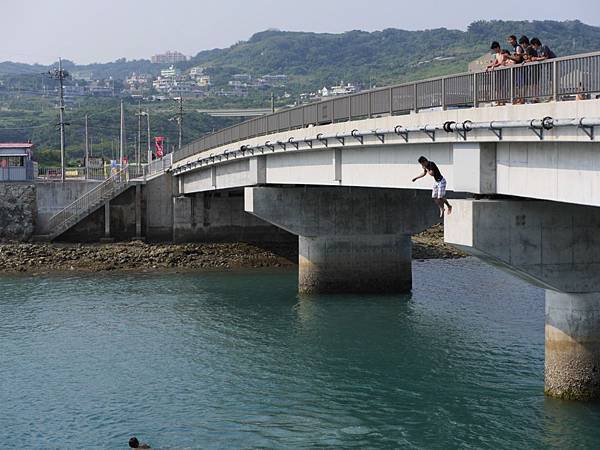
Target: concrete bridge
337, 174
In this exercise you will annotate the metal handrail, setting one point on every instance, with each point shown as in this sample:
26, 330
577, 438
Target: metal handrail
93, 197
159, 166
575, 74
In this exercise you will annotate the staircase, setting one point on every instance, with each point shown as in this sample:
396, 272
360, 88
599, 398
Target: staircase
85, 205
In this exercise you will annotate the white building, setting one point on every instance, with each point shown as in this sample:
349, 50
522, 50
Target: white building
171, 72
169, 57
340, 89
203, 81
196, 72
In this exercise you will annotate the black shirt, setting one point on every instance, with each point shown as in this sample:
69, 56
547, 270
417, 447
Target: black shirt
437, 175
531, 52
544, 50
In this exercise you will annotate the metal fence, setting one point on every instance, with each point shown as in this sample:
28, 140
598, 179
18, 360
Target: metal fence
158, 166
559, 79
81, 173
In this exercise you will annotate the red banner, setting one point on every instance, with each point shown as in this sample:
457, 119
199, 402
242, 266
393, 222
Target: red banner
159, 142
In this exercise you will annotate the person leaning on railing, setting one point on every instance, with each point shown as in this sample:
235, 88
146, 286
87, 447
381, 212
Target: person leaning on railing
518, 51
543, 51
524, 80
499, 57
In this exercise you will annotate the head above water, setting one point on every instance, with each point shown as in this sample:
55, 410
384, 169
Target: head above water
134, 443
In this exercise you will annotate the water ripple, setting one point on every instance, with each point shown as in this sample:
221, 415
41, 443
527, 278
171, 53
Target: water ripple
240, 360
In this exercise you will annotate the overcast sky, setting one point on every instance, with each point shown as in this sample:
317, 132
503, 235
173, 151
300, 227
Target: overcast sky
103, 30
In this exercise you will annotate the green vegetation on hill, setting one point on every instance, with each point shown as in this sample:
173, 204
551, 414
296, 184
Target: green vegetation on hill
388, 56
36, 119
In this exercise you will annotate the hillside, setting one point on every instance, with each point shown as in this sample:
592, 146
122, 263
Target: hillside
387, 56
315, 59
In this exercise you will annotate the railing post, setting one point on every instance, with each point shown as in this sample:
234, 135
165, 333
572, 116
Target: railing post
332, 111
555, 80
444, 94
415, 92
350, 108
369, 104
512, 84
391, 103
475, 91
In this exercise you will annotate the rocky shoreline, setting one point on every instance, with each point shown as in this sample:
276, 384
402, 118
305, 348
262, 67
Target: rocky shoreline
138, 256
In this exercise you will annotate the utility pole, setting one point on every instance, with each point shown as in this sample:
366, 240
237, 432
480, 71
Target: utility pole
60, 75
122, 143
180, 121
138, 155
272, 102
147, 113
87, 148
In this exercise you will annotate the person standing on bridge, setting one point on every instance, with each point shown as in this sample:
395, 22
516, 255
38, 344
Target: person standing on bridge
439, 186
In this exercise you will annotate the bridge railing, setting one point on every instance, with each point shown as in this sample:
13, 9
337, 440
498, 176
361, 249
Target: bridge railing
558, 79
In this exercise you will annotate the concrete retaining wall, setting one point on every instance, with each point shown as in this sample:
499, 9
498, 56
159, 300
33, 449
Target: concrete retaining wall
53, 196
122, 221
157, 208
17, 211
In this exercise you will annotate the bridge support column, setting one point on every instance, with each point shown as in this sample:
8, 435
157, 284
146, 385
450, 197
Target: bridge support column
354, 240
572, 369
107, 220
355, 264
138, 211
557, 247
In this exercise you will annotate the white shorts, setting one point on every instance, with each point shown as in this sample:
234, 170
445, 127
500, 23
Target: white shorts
439, 189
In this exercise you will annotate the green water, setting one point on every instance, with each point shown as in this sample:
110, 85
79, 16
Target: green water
239, 360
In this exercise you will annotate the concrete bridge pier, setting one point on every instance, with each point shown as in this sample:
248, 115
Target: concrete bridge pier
572, 368
354, 240
557, 247
355, 264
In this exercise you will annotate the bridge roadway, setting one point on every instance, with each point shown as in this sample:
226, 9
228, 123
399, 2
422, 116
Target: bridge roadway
529, 182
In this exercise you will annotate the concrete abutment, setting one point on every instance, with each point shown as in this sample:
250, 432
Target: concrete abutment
351, 240
557, 247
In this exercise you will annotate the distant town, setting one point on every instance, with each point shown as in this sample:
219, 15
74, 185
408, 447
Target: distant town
172, 82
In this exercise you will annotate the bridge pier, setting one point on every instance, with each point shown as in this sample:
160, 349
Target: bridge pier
555, 246
354, 240
355, 264
572, 368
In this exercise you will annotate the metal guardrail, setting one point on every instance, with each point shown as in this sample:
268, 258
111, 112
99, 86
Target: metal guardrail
104, 191
81, 173
558, 79
158, 166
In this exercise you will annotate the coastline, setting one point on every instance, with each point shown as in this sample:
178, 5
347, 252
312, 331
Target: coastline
137, 256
